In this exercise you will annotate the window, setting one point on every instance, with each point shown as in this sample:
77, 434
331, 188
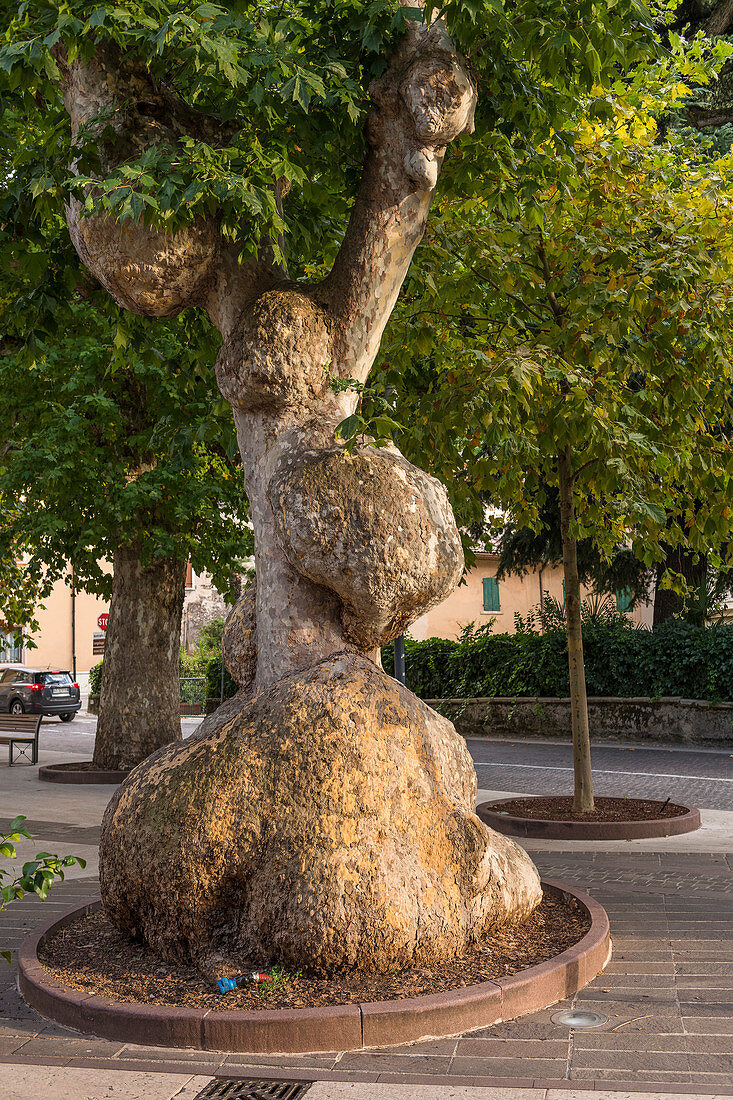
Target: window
189, 575
624, 599
54, 679
9, 651
491, 594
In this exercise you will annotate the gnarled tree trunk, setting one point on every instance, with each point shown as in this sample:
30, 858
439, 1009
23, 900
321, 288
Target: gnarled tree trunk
324, 815
139, 707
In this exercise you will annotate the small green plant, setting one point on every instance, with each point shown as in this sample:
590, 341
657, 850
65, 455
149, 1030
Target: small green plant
37, 875
280, 981
95, 679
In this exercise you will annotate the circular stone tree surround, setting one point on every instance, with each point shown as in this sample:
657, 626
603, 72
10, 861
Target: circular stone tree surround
335, 1027
546, 829
76, 773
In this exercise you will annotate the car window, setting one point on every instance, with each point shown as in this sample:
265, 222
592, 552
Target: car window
56, 679
8, 676
23, 677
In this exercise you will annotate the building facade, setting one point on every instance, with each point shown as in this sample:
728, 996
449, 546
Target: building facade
482, 599
71, 627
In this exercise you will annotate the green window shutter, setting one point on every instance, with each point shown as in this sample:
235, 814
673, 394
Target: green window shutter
491, 594
624, 599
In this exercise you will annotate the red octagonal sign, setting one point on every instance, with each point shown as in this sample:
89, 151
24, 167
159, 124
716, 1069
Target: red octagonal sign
103, 620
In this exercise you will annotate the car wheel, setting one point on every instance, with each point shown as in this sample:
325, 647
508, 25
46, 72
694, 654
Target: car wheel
66, 717
16, 707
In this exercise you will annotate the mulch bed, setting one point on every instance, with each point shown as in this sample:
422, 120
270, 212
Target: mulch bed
560, 808
92, 956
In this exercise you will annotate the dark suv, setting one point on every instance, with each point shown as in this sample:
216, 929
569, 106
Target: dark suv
38, 691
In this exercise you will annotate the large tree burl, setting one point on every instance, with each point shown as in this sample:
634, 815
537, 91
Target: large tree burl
333, 795
372, 528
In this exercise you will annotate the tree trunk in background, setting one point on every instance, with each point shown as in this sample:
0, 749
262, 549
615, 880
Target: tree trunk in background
583, 800
668, 603
139, 707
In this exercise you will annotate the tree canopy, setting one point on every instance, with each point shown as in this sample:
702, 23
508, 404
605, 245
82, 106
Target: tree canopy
594, 312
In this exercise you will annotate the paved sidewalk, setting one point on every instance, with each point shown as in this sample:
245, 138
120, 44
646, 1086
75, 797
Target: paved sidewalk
667, 993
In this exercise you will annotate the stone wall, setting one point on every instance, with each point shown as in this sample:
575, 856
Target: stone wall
202, 604
667, 720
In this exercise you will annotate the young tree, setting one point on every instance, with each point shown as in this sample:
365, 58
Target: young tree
324, 815
586, 344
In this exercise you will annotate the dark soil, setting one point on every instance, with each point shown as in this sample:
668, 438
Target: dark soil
83, 766
560, 808
92, 956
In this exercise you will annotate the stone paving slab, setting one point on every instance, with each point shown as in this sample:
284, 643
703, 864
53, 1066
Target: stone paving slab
32, 1083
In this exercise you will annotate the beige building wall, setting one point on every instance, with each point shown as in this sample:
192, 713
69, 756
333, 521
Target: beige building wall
465, 604
54, 638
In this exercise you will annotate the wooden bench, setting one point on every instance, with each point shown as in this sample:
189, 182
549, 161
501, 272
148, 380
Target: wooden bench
20, 729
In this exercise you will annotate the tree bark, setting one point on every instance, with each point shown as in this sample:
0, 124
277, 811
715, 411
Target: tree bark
720, 19
583, 798
139, 707
668, 604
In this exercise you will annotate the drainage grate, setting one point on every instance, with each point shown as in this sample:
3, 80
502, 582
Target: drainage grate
229, 1088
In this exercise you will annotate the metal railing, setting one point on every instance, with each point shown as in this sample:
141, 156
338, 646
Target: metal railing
192, 691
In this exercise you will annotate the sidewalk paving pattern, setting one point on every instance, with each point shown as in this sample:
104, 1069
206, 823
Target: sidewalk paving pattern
667, 993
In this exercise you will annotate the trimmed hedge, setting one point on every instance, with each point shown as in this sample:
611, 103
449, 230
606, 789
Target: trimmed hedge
213, 680
620, 660
676, 659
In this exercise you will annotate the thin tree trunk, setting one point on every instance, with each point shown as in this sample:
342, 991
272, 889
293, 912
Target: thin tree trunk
720, 19
583, 800
139, 708
667, 603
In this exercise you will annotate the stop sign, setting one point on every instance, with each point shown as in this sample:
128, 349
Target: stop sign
103, 620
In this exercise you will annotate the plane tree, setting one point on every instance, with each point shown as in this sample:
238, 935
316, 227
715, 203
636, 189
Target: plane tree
223, 157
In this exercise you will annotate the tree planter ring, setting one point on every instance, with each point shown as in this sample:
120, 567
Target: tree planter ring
337, 1027
544, 829
67, 773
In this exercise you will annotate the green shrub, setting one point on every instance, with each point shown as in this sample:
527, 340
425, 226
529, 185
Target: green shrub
192, 664
95, 679
676, 659
213, 680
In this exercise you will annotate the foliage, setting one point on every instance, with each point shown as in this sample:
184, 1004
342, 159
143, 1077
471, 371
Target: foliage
257, 74
596, 610
159, 464
37, 875
22, 586
676, 659
594, 313
213, 680
208, 642
426, 672
192, 664
525, 548
95, 678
